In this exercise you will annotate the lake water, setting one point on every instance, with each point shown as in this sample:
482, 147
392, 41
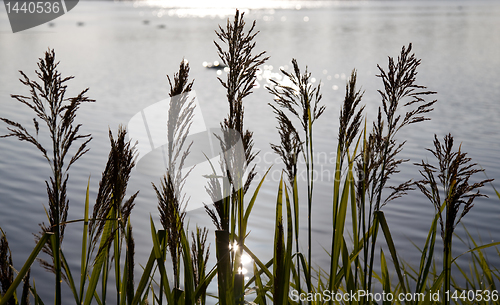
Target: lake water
122, 52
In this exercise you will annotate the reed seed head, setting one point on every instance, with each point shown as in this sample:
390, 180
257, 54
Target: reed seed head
301, 99
236, 50
113, 185
350, 115
380, 153
452, 175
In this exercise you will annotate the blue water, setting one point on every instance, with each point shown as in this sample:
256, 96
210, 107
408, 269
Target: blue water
124, 60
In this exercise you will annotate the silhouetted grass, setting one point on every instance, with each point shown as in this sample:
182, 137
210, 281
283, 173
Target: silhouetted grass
454, 173
301, 100
49, 103
367, 158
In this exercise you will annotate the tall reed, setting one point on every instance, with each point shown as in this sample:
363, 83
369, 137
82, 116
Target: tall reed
110, 221
49, 103
454, 171
350, 119
230, 215
289, 149
380, 150
302, 101
171, 201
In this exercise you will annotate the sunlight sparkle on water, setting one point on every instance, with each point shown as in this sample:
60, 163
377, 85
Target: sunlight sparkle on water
224, 8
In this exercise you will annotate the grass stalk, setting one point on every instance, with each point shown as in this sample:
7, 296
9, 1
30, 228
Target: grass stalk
380, 149
350, 120
302, 101
49, 104
453, 173
229, 214
111, 215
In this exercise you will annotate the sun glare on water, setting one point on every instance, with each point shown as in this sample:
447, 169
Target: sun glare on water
224, 8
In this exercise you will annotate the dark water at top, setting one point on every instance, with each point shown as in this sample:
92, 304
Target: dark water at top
123, 60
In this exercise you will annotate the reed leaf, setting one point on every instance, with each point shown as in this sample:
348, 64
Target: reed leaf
25, 269
84, 259
392, 248
144, 281
427, 257
261, 290
99, 263
386, 281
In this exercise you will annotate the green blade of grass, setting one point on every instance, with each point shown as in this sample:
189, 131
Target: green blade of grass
279, 249
158, 250
305, 268
340, 210
117, 255
254, 198
36, 297
84, 261
202, 286
27, 265
263, 267
69, 276
99, 263
477, 248
143, 283
386, 281
123, 286
390, 243
427, 256
261, 291
289, 240
188, 270
347, 261
156, 242
481, 260
125, 294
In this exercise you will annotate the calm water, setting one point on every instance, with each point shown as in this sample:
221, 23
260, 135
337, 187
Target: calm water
124, 60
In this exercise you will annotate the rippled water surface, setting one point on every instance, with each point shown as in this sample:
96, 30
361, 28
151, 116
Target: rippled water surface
122, 52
